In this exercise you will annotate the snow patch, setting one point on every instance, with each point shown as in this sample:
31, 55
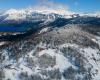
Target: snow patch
44, 30
61, 62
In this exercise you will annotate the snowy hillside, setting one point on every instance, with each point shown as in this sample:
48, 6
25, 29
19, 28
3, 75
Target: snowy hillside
49, 45
70, 52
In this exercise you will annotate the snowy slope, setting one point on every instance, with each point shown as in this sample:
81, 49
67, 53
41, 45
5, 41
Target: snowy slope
71, 52
63, 46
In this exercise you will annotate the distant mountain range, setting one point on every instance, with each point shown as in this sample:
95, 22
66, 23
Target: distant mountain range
15, 20
28, 14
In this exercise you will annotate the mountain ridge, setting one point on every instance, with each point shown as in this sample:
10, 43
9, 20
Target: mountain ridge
21, 14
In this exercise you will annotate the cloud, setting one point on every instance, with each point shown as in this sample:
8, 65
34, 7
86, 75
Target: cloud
52, 4
45, 5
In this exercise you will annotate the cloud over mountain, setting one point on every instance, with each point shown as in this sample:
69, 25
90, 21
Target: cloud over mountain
46, 5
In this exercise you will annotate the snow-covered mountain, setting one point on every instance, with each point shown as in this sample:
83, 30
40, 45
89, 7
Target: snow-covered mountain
14, 14
54, 46
70, 52
29, 13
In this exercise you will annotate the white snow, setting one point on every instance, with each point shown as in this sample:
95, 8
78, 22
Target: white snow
93, 40
44, 30
2, 43
14, 14
91, 54
25, 69
10, 74
98, 40
95, 14
61, 62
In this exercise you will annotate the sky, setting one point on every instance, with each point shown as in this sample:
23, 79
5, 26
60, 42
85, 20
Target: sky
72, 5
